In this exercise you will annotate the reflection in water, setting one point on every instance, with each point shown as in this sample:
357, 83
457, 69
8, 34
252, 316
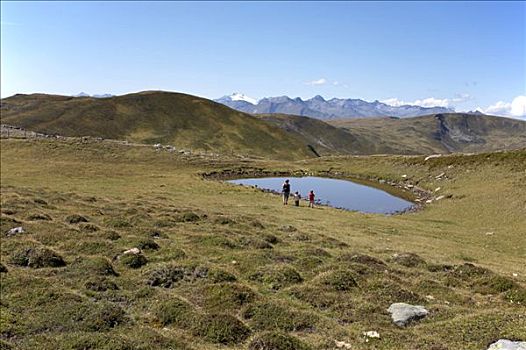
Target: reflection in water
336, 193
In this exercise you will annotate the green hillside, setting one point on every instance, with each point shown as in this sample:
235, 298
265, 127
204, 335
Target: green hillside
181, 120
441, 133
325, 138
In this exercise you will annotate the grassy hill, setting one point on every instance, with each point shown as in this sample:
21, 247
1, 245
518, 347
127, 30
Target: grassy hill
227, 267
181, 120
441, 133
325, 138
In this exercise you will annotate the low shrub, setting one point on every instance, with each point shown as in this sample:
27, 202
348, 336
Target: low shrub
469, 271
339, 280
362, 259
255, 243
218, 276
270, 238
189, 217
99, 266
277, 277
39, 217
133, 261
516, 295
118, 222
277, 341
226, 296
221, 328
75, 219
37, 258
87, 227
100, 284
167, 276
176, 312
274, 316
111, 235
104, 317
223, 220
409, 260
147, 244
494, 284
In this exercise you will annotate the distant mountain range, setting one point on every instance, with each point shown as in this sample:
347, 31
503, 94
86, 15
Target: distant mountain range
318, 107
83, 94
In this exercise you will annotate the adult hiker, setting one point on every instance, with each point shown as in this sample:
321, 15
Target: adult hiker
311, 199
285, 190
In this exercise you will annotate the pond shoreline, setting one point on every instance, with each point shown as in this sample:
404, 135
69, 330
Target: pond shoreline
402, 189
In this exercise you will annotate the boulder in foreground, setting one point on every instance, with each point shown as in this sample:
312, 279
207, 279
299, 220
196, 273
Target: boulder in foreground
402, 313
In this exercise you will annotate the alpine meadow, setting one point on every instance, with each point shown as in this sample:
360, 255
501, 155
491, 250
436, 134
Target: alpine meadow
120, 230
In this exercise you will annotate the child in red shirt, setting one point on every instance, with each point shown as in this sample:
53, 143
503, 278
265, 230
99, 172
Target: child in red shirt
311, 199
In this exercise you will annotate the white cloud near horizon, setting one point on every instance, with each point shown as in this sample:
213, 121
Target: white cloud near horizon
325, 81
321, 81
426, 102
513, 109
430, 101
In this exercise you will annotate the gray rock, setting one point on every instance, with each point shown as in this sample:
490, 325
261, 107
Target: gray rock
15, 230
505, 344
403, 313
133, 251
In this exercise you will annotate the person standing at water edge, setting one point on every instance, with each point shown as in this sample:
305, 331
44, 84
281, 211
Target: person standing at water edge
285, 190
297, 198
311, 199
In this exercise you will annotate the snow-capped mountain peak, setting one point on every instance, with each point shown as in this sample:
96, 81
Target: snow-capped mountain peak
237, 96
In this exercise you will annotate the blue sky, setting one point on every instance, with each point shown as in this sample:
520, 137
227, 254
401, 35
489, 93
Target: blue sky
460, 54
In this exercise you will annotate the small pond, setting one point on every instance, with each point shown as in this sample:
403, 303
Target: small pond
335, 193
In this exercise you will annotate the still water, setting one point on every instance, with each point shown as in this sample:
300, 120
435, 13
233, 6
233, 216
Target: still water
334, 192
